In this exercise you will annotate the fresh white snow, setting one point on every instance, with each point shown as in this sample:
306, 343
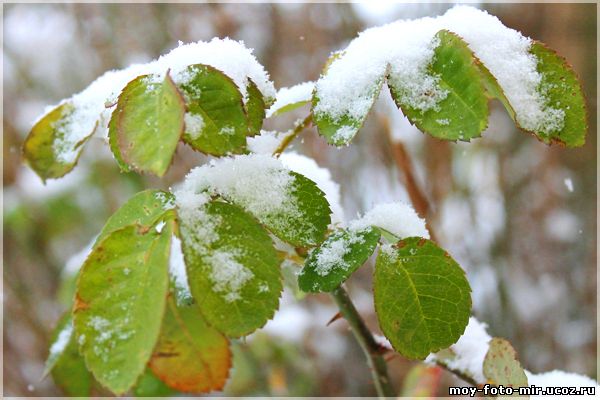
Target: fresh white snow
265, 143
287, 96
332, 253
178, 272
398, 218
193, 124
63, 338
229, 56
559, 378
405, 48
259, 183
470, 351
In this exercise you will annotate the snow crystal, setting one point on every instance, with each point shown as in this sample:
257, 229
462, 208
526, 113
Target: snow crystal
178, 272
347, 88
193, 125
61, 341
398, 218
321, 176
227, 275
265, 143
287, 96
229, 56
569, 184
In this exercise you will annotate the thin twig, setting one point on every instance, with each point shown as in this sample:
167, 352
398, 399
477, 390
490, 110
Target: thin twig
367, 342
292, 135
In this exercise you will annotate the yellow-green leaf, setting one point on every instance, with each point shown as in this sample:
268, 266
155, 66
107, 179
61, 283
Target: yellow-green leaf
501, 366
52, 147
149, 123
120, 301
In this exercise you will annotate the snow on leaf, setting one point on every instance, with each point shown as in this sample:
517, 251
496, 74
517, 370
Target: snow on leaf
286, 203
398, 218
117, 315
216, 122
453, 105
89, 107
530, 80
229, 257
64, 362
330, 264
51, 149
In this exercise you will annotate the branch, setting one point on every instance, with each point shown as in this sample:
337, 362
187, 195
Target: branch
367, 342
292, 135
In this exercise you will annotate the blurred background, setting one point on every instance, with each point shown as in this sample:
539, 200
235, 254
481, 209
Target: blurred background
518, 215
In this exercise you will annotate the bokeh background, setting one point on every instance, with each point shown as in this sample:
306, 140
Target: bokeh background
518, 215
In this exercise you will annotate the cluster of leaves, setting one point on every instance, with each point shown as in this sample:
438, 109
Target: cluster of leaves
128, 315
463, 114
153, 113
129, 325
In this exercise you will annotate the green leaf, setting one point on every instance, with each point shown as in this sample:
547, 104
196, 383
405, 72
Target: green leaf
149, 123
121, 297
215, 122
340, 131
190, 356
144, 209
232, 268
330, 264
422, 297
307, 223
463, 113
52, 148
563, 92
150, 386
289, 107
65, 363
255, 108
501, 366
